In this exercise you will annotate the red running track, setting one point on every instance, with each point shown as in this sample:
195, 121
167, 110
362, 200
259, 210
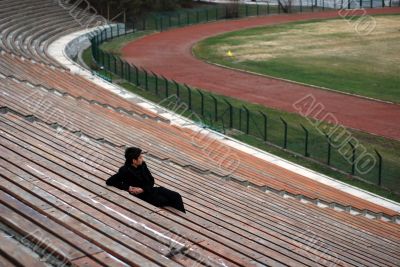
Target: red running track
170, 54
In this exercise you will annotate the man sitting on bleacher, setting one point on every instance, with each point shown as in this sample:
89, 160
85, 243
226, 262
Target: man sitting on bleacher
136, 178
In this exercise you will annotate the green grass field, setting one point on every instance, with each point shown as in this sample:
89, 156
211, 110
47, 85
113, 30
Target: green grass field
317, 145
116, 47
326, 53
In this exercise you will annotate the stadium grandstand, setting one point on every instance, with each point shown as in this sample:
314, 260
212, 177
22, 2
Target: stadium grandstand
63, 135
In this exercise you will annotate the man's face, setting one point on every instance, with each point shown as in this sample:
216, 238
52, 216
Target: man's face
138, 161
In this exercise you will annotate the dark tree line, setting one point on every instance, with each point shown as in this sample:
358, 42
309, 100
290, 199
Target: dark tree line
135, 8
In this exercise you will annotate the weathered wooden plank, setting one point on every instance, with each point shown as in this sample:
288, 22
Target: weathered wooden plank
17, 252
98, 239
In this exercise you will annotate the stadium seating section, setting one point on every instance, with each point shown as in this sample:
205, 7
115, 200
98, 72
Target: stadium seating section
62, 136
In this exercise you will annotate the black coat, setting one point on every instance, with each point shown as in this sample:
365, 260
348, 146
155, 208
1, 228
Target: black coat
128, 176
141, 177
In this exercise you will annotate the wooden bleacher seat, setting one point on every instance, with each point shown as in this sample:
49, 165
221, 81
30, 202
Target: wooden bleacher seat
255, 226
38, 22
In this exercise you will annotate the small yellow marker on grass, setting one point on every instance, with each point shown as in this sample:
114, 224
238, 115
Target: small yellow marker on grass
229, 53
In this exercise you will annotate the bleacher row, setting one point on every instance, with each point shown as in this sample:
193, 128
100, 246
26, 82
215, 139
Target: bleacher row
63, 136
27, 27
63, 81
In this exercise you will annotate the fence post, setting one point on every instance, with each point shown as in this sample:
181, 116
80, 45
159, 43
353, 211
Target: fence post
349, 4
230, 113
371, 4
247, 10
216, 13
94, 48
215, 107
187, 18
99, 35
265, 124
109, 75
179, 19
189, 96
156, 84
177, 89
121, 64
240, 119
108, 62
137, 75
198, 16
301, 6
102, 58
207, 14
144, 23
361, 3
353, 158
223, 125
166, 86
211, 121
247, 119
306, 141
258, 10
161, 23
98, 40
267, 8
379, 167
95, 41
329, 149
134, 68
115, 64
129, 72
201, 103
285, 133
383, 3
146, 82
125, 68
169, 21
99, 52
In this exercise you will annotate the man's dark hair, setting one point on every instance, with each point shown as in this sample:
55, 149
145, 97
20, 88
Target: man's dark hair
132, 153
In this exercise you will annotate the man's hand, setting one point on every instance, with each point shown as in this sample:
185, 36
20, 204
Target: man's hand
135, 190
